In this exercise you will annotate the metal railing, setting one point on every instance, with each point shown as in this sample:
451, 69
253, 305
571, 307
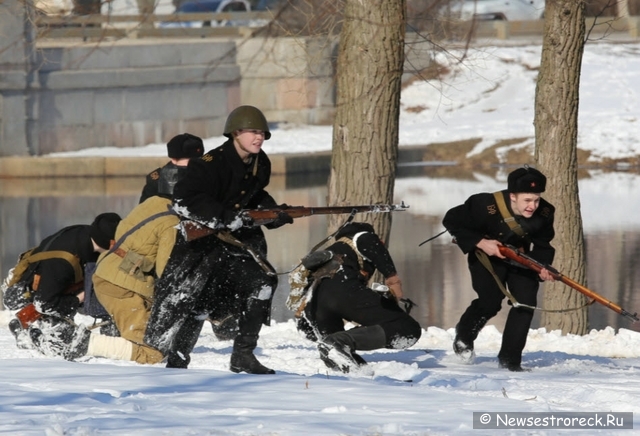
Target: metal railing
141, 26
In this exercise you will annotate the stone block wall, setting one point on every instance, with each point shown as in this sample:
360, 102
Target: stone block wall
68, 95
15, 47
290, 79
132, 93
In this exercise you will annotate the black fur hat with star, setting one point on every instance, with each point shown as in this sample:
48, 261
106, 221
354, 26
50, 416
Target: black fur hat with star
185, 146
526, 179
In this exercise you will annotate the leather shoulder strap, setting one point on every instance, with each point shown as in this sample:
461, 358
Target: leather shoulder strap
59, 254
507, 217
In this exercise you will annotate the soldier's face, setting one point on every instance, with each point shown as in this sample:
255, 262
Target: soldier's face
248, 142
524, 204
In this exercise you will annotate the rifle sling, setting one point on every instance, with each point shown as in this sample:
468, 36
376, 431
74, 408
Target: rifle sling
226, 236
507, 217
484, 259
116, 247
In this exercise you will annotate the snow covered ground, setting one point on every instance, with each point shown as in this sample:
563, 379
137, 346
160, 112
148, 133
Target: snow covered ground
420, 391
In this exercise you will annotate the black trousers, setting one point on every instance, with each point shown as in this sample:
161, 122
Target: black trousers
336, 299
202, 277
523, 285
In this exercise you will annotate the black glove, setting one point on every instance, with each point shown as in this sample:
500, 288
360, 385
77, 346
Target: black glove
282, 219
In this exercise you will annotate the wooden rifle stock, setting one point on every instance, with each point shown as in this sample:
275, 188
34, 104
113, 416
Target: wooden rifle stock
258, 217
513, 254
29, 314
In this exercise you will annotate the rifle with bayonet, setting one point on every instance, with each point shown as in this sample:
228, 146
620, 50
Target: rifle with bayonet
517, 256
258, 217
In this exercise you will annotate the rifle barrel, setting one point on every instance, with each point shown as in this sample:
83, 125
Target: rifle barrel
536, 266
193, 230
300, 211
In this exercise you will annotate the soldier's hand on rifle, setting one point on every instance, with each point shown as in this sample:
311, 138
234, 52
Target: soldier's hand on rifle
282, 219
545, 275
395, 286
234, 220
490, 246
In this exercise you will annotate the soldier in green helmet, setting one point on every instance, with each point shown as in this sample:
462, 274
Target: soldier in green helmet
218, 272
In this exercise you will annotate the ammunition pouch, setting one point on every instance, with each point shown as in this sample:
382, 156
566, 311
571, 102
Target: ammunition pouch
328, 269
306, 277
136, 265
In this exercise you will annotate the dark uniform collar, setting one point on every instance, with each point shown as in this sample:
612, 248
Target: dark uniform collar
230, 152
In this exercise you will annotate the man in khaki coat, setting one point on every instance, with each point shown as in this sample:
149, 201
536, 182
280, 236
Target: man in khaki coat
125, 277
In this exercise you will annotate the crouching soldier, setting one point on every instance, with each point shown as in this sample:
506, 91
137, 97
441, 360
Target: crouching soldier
47, 285
340, 293
125, 277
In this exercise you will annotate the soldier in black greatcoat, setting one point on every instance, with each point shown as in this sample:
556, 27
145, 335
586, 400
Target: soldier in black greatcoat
219, 270
343, 295
180, 149
517, 216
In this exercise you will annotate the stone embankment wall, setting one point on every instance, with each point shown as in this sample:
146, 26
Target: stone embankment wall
68, 94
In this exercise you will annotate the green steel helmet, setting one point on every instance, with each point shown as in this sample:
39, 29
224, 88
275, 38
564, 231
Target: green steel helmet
246, 117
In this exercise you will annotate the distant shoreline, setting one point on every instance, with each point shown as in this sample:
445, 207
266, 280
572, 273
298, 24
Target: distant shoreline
431, 155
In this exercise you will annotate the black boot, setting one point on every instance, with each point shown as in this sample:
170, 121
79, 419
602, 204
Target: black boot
242, 358
23, 340
511, 365
186, 339
109, 328
463, 348
338, 350
249, 325
467, 331
60, 339
78, 345
15, 327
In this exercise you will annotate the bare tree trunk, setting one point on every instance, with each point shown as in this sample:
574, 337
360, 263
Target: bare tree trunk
623, 9
365, 130
556, 127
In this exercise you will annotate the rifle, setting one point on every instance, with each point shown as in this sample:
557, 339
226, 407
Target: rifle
257, 217
515, 255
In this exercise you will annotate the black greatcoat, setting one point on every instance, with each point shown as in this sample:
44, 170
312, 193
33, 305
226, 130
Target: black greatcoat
206, 273
478, 218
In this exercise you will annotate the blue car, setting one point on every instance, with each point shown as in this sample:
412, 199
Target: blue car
212, 6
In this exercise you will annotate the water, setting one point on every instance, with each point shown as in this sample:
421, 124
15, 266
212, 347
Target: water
435, 275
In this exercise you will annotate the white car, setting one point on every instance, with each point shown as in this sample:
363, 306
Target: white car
512, 10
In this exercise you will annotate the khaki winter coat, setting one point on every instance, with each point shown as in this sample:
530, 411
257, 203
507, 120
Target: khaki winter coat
143, 254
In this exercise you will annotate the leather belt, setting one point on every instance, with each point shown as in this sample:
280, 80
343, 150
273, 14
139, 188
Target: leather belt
120, 252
